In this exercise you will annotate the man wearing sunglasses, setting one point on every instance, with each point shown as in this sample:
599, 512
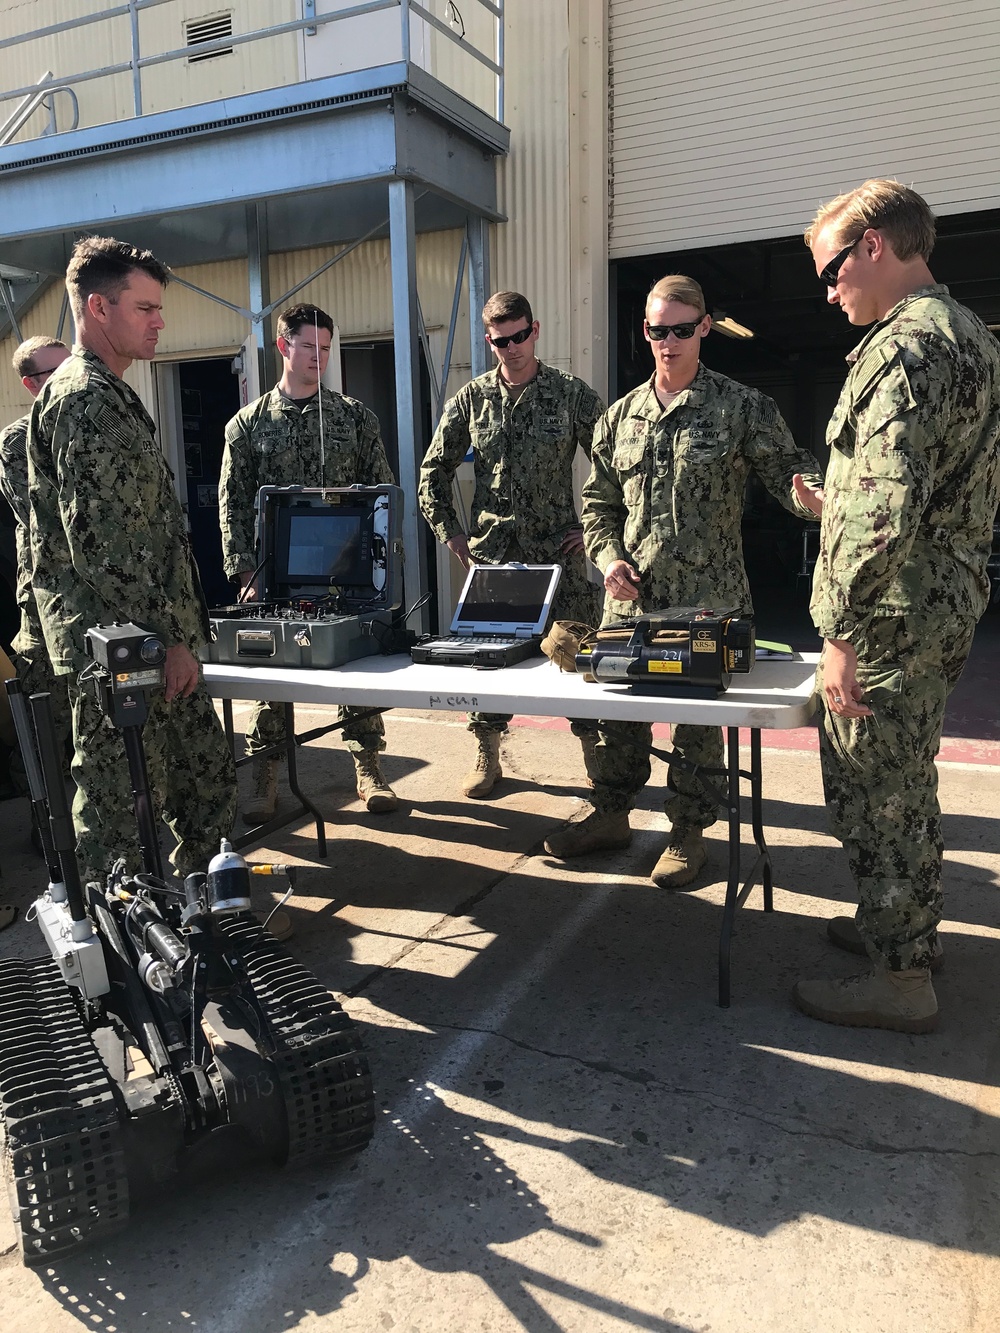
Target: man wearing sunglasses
523, 422
910, 496
661, 516
34, 362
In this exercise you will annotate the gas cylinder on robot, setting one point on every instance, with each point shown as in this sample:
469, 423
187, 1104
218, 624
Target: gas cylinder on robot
228, 882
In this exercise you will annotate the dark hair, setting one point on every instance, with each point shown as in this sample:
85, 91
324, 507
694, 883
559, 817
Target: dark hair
24, 357
504, 307
293, 319
103, 264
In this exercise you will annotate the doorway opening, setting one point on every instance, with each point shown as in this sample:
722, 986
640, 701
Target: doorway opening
208, 393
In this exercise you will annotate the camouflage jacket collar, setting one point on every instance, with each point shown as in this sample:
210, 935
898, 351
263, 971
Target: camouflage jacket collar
545, 380
647, 405
115, 382
280, 402
931, 289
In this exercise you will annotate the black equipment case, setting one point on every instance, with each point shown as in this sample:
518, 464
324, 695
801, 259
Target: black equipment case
331, 572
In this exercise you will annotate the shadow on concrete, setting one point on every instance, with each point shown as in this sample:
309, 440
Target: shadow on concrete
438, 1193
607, 1056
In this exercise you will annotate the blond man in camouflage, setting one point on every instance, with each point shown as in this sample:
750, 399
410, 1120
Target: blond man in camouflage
34, 361
661, 518
524, 422
109, 541
910, 496
276, 441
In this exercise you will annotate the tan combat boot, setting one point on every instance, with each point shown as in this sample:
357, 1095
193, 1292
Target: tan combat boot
486, 772
597, 833
373, 789
264, 795
682, 859
843, 932
588, 744
899, 1001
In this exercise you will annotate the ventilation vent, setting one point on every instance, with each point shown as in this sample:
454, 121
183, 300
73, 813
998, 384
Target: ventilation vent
214, 29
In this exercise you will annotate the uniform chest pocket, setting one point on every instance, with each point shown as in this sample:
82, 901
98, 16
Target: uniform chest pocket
628, 455
629, 461
487, 442
703, 446
273, 441
553, 426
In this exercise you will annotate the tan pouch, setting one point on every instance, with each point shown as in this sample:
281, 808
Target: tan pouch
564, 640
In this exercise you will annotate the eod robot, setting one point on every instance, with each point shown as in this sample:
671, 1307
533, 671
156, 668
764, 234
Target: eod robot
164, 1029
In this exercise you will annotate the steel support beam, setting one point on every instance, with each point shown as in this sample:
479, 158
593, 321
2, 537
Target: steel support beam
456, 306
409, 435
9, 307
479, 289
261, 358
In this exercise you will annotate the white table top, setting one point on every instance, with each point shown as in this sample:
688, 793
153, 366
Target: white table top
774, 696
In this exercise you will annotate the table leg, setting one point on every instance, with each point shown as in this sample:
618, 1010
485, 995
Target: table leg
757, 819
287, 747
733, 882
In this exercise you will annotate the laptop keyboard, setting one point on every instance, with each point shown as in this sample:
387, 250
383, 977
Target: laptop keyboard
464, 640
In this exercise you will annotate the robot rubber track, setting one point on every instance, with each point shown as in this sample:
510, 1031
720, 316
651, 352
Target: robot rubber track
73, 1145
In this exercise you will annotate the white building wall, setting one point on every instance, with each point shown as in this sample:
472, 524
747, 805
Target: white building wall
734, 120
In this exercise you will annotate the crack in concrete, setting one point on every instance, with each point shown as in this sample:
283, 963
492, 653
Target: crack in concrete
650, 1080
457, 912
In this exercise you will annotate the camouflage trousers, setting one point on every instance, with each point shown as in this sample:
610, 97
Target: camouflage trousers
267, 727
623, 767
881, 782
576, 599
191, 774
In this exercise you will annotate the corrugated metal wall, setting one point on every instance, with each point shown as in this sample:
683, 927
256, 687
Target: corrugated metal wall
736, 119
357, 292
42, 318
268, 63
531, 251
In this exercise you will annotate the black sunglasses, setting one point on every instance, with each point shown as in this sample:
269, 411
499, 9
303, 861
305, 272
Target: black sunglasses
659, 333
831, 273
522, 335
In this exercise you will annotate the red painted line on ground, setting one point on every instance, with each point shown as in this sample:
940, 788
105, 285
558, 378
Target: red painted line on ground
954, 749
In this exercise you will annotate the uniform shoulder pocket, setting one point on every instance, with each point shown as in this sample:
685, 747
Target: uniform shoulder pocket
114, 429
887, 395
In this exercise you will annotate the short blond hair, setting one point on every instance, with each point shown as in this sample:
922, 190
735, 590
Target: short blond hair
677, 287
884, 205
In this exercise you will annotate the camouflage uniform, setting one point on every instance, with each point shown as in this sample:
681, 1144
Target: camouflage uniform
108, 542
30, 656
911, 492
273, 442
666, 494
522, 507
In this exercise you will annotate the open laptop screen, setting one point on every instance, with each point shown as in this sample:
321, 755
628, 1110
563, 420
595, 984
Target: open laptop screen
500, 596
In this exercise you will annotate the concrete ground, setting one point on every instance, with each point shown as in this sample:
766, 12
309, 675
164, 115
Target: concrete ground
572, 1137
